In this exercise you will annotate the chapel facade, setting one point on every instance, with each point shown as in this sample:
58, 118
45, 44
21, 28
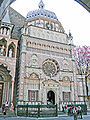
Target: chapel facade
47, 67
42, 70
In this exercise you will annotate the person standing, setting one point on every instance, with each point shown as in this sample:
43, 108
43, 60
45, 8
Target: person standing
6, 105
4, 113
75, 113
3, 107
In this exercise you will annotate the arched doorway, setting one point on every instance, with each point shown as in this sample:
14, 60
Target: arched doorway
5, 85
51, 97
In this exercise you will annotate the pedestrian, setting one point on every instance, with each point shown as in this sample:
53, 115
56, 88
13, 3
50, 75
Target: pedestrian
70, 110
6, 105
63, 107
75, 109
51, 101
4, 113
75, 113
3, 107
79, 111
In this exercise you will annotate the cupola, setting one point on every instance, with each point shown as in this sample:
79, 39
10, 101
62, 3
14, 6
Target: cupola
44, 18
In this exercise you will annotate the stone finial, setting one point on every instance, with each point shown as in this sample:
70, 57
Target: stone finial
70, 38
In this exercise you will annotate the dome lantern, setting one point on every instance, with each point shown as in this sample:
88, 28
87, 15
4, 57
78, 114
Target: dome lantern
41, 5
41, 12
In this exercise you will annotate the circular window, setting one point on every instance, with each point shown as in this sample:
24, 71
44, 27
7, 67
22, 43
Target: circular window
50, 67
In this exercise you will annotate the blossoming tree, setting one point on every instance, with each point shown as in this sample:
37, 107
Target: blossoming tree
82, 58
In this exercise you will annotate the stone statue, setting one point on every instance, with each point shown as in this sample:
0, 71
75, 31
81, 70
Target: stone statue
10, 53
2, 50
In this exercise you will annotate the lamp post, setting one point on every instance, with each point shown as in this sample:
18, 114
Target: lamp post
81, 73
87, 79
86, 76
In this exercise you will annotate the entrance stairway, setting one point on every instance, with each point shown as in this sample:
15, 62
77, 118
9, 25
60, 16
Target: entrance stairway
9, 113
60, 113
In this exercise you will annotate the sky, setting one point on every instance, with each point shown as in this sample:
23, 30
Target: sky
72, 16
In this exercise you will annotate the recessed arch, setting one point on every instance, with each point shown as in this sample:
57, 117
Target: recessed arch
3, 46
5, 84
34, 60
65, 64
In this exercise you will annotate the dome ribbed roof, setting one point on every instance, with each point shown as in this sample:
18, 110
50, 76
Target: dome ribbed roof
41, 12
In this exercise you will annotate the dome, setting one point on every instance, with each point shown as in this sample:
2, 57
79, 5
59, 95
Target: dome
41, 12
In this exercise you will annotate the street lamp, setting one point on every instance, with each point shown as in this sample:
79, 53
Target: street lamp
81, 73
86, 77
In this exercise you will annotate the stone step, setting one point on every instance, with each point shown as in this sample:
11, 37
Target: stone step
61, 113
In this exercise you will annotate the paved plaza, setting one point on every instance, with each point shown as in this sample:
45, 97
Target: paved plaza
56, 118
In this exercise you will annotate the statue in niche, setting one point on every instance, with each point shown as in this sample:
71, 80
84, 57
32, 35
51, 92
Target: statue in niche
2, 50
10, 53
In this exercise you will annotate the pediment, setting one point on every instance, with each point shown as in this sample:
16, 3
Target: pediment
51, 81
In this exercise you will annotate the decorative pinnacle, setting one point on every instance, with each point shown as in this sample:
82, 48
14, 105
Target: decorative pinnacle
70, 33
41, 4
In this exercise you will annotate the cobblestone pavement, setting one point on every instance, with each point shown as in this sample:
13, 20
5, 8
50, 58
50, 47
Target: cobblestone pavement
58, 118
